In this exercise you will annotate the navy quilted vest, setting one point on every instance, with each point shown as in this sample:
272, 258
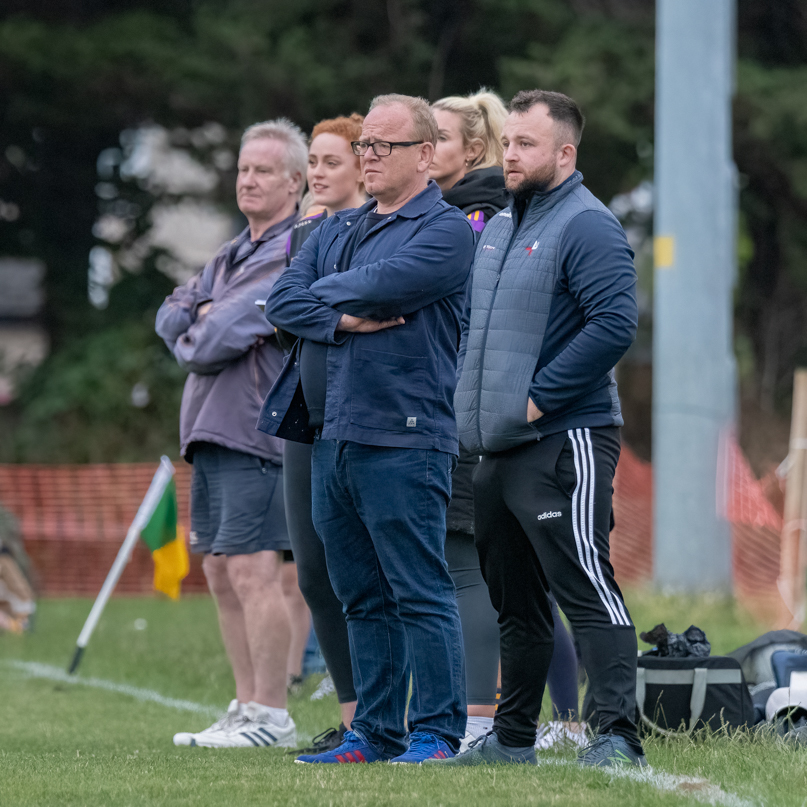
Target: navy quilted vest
514, 276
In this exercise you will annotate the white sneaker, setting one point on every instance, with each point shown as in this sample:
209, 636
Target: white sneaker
253, 729
466, 741
475, 727
556, 734
230, 719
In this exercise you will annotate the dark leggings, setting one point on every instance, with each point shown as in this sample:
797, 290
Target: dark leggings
312, 572
480, 632
562, 676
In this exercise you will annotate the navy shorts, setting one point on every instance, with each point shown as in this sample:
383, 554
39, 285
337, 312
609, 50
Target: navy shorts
236, 503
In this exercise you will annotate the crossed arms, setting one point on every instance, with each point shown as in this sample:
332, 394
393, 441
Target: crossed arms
431, 265
205, 335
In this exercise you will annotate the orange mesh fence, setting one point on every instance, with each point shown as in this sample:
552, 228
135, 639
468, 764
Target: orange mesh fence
752, 509
73, 520
632, 538
74, 517
752, 506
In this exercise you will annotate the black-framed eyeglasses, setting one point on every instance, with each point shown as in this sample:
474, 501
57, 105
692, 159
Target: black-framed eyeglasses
381, 148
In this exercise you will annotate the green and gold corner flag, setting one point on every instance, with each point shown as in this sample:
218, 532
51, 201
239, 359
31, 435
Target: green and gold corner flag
166, 540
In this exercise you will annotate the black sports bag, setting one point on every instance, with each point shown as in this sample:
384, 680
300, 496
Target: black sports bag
682, 695
686, 694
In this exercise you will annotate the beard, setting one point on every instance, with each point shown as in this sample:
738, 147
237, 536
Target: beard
539, 181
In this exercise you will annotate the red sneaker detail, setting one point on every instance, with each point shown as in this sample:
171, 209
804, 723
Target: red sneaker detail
341, 758
360, 756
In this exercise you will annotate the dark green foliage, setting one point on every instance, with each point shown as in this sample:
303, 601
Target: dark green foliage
77, 406
608, 69
74, 75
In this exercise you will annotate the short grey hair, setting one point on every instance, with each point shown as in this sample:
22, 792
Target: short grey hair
424, 126
296, 149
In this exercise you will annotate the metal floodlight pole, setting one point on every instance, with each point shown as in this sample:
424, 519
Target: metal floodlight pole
695, 231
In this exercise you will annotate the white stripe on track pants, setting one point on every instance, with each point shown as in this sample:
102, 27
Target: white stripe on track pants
542, 522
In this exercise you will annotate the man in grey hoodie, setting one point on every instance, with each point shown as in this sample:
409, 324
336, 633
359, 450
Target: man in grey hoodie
216, 331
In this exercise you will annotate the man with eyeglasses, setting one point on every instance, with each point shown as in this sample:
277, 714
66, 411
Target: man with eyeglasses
376, 295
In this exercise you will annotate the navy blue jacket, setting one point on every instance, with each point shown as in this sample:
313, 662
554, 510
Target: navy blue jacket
394, 387
592, 322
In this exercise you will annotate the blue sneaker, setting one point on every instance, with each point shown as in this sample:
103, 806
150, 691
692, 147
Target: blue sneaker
353, 749
423, 746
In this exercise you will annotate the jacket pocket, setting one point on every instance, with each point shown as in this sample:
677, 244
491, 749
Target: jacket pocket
389, 391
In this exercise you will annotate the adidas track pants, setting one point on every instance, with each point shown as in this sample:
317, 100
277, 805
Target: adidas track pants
542, 522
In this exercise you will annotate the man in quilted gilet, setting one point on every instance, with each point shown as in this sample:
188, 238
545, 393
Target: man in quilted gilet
551, 310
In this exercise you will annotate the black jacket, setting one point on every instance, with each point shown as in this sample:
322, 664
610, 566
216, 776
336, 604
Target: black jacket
481, 190
301, 230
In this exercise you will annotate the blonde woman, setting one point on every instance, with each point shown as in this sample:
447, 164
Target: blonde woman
468, 160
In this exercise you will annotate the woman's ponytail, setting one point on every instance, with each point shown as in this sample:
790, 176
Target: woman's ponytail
483, 114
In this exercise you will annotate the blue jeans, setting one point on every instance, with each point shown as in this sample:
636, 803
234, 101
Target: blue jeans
381, 515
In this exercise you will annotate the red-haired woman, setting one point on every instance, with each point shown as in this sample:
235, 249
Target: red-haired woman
334, 183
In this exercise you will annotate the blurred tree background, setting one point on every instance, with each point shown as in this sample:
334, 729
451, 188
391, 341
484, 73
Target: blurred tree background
77, 75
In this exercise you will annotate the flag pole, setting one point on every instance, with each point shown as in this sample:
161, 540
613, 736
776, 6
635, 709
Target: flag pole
152, 498
792, 555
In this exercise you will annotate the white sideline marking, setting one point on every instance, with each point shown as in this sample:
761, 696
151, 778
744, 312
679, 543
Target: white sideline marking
700, 789
35, 669
690, 786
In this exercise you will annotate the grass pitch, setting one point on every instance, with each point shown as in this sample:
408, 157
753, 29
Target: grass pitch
80, 744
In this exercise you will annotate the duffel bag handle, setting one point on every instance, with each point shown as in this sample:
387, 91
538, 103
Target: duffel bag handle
641, 691
699, 678
698, 697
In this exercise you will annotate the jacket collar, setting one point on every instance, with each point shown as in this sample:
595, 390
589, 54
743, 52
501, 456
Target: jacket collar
272, 231
241, 247
541, 202
480, 187
414, 208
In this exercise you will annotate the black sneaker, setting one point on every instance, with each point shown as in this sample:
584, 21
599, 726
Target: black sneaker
327, 741
295, 684
608, 750
487, 750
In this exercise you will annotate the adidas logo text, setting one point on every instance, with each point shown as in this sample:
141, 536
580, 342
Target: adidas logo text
550, 514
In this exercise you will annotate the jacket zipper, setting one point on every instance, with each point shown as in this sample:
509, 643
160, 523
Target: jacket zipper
485, 338
255, 375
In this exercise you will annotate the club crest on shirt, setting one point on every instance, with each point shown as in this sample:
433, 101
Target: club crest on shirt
532, 248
